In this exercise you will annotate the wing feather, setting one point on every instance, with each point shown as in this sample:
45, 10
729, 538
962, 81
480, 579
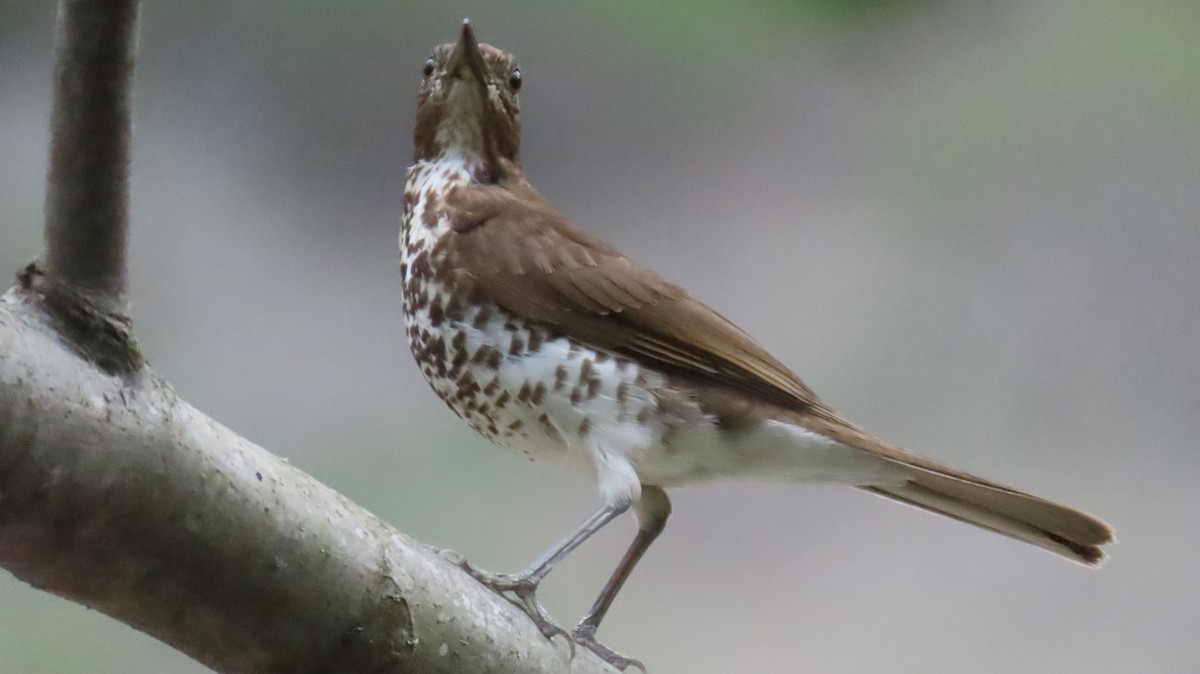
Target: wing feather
528, 258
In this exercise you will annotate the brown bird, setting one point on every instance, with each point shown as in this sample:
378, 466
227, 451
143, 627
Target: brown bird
553, 344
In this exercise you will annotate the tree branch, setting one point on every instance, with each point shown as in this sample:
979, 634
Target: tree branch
117, 494
87, 188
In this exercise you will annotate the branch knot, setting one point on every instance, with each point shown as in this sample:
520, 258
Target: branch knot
94, 329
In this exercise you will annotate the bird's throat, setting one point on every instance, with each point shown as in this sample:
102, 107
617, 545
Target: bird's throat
460, 134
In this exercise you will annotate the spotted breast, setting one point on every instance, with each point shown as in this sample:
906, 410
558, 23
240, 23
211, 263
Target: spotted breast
518, 383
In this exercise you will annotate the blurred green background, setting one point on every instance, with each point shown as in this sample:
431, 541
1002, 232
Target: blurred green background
974, 227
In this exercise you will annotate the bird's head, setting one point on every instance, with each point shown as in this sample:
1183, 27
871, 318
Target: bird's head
468, 105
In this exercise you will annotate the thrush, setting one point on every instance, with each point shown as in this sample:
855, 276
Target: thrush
553, 344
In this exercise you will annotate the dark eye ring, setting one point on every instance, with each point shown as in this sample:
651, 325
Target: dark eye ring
514, 80
429, 66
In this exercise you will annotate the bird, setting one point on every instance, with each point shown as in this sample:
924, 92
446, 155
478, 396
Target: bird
555, 345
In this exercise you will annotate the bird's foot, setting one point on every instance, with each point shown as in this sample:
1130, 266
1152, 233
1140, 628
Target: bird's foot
585, 635
440, 552
520, 589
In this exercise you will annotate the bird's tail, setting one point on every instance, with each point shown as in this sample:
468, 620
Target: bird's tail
1066, 531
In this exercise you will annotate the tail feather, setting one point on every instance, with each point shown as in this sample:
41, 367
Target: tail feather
1052, 526
930, 485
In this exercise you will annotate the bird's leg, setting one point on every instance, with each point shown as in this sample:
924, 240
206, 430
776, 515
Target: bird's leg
652, 512
524, 585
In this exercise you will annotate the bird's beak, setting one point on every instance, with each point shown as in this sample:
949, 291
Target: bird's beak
466, 60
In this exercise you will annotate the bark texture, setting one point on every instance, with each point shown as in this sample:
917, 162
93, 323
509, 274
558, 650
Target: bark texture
117, 494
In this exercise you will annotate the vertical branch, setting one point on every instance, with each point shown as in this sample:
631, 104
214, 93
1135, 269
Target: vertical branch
87, 191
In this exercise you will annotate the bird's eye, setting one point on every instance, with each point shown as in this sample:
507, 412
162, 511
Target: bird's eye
514, 80
429, 65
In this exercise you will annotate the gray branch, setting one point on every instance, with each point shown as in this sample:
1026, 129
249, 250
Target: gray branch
117, 494
87, 188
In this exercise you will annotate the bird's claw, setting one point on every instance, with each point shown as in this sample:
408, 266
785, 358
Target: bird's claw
521, 591
517, 589
525, 596
444, 553
585, 635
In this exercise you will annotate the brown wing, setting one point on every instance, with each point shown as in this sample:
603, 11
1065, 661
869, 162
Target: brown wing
528, 258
